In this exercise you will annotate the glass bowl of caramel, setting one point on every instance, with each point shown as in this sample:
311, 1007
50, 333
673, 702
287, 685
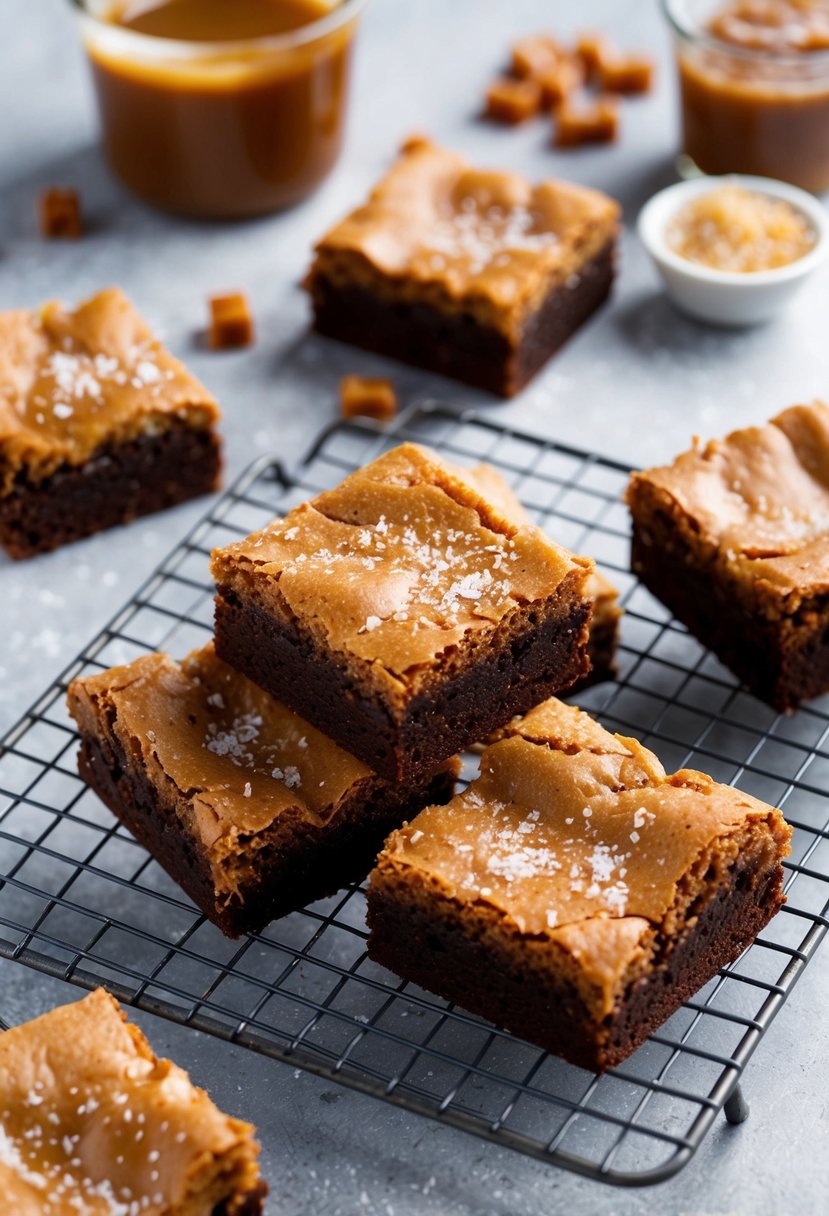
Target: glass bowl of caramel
217, 109
754, 87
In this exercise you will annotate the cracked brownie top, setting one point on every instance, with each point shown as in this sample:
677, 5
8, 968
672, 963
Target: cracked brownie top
756, 502
92, 1122
578, 836
467, 237
239, 759
72, 382
400, 566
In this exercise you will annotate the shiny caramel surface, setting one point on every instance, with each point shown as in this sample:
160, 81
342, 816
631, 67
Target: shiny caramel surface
93, 1123
222, 132
773, 25
755, 92
217, 20
74, 380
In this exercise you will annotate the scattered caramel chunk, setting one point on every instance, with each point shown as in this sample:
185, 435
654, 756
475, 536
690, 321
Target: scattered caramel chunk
59, 209
231, 323
592, 50
561, 81
363, 396
625, 74
535, 55
740, 230
541, 62
513, 101
596, 122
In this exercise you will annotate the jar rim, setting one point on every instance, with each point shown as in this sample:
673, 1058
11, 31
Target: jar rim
320, 27
683, 24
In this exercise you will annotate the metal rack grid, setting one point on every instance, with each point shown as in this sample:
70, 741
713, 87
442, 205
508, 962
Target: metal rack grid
79, 899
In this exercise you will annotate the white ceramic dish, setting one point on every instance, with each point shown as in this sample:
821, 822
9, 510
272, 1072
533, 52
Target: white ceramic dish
724, 297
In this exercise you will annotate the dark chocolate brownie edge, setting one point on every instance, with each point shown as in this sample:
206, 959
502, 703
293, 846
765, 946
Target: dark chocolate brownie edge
252, 1204
428, 942
455, 344
517, 672
281, 880
782, 666
116, 485
601, 650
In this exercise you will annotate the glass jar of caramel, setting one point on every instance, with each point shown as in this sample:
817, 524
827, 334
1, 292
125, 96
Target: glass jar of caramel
754, 87
221, 110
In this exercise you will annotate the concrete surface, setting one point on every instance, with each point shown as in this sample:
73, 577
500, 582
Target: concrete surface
635, 384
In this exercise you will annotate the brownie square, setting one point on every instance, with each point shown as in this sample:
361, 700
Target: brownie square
251, 810
574, 893
403, 613
94, 1122
476, 274
733, 537
98, 424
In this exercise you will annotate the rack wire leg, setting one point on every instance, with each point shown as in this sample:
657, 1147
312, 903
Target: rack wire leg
736, 1108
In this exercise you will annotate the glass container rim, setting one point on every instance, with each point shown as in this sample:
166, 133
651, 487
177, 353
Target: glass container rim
303, 35
682, 24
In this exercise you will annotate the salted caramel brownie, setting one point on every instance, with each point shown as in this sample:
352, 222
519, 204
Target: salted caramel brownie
98, 424
733, 537
403, 613
604, 622
249, 808
92, 1122
473, 273
575, 893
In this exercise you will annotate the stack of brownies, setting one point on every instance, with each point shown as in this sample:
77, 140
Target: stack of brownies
574, 893
361, 643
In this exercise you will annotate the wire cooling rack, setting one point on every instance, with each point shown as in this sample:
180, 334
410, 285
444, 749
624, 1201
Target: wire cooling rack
79, 899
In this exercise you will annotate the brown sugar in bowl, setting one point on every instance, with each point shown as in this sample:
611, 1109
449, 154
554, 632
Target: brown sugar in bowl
221, 129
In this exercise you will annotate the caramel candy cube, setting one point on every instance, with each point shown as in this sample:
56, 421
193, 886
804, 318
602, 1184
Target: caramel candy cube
533, 56
513, 101
592, 49
60, 213
561, 80
596, 123
231, 323
626, 74
363, 396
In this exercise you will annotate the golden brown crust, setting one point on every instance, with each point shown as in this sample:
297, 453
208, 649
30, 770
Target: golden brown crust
91, 1120
74, 382
398, 566
577, 838
483, 242
755, 505
241, 759
599, 588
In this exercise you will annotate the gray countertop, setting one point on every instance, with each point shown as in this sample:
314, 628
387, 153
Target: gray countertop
635, 384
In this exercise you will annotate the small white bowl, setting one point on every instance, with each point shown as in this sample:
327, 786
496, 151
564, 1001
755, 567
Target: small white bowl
728, 297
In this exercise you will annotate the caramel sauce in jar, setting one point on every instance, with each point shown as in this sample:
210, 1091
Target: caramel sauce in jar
221, 108
754, 87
